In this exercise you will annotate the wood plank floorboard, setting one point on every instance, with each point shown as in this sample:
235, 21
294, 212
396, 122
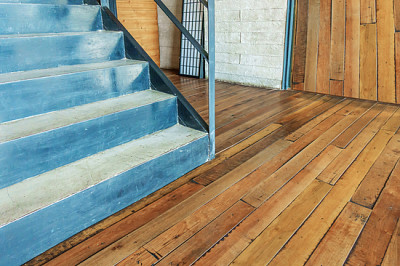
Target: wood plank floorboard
299, 178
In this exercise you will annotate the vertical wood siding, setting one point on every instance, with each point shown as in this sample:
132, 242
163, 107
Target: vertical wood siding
349, 48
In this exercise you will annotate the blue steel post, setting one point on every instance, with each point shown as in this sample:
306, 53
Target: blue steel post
111, 4
211, 75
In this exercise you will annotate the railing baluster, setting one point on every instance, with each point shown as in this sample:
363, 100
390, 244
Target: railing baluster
211, 76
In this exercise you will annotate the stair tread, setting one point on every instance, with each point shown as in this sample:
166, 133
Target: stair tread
40, 191
54, 34
63, 70
20, 128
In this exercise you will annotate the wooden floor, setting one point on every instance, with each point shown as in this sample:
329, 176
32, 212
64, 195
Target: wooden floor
299, 178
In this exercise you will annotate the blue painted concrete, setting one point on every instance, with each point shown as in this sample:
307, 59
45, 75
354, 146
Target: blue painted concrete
58, 92
55, 2
47, 51
49, 226
26, 157
23, 19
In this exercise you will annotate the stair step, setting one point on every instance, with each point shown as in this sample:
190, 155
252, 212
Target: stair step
37, 144
97, 186
56, 2
35, 92
40, 51
28, 18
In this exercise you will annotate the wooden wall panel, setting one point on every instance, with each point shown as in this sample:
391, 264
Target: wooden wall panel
368, 62
368, 11
140, 18
300, 41
350, 49
385, 38
352, 67
324, 46
310, 78
337, 39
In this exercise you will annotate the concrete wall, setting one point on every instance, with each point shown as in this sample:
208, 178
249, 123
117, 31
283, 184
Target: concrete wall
249, 41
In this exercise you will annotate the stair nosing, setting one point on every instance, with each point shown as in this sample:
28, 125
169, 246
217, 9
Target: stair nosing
125, 153
77, 114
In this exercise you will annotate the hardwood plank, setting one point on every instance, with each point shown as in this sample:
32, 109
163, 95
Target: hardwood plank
324, 47
191, 250
300, 43
298, 86
349, 134
368, 11
386, 67
380, 226
368, 62
339, 166
372, 185
310, 125
352, 54
393, 123
310, 78
133, 241
272, 182
274, 237
115, 232
337, 243
228, 249
337, 40
336, 87
397, 15
302, 244
140, 257
392, 256
397, 63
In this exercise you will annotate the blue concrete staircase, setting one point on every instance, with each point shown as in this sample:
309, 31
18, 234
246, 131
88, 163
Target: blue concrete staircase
84, 131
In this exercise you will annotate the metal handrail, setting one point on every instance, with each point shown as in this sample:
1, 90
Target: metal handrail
209, 56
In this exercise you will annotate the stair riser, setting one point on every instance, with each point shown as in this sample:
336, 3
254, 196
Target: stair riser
25, 19
65, 91
54, 2
28, 53
35, 233
36, 154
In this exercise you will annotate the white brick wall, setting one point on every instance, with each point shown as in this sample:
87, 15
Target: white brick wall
249, 40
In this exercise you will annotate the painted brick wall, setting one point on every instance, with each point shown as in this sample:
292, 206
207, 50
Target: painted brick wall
249, 41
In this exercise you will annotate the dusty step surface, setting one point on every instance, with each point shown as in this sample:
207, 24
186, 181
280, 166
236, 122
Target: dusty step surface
42, 190
67, 86
57, 49
75, 133
20, 18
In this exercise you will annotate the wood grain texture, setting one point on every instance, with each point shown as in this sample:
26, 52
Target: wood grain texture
385, 38
392, 256
397, 15
139, 17
368, 11
338, 34
210, 227
273, 238
380, 226
300, 42
336, 87
368, 63
352, 57
337, 243
397, 62
310, 79
324, 47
